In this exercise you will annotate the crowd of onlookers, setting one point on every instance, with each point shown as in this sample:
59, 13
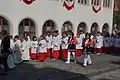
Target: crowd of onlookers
55, 45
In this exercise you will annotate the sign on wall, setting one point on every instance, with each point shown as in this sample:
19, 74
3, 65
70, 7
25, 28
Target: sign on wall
28, 2
26, 28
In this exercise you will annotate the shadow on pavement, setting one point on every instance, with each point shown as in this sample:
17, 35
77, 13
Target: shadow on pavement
103, 79
115, 62
27, 71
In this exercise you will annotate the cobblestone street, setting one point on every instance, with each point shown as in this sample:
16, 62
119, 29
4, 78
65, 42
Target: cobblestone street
104, 67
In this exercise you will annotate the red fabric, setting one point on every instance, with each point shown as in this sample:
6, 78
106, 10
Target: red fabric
96, 10
32, 55
73, 41
28, 2
68, 7
78, 52
56, 54
99, 50
107, 50
64, 53
42, 56
48, 53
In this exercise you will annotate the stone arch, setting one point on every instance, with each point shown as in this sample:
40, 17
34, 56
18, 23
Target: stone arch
94, 28
5, 24
82, 27
66, 27
49, 25
105, 28
27, 25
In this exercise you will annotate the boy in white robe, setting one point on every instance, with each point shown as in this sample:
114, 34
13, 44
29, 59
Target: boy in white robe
33, 48
98, 43
25, 48
42, 49
49, 44
64, 46
79, 44
56, 42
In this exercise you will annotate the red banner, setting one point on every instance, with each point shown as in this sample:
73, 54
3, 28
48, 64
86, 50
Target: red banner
28, 2
68, 7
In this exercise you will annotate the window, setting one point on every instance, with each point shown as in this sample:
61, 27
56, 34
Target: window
107, 3
83, 1
96, 2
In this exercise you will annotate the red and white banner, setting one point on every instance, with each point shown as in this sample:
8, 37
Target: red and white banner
28, 2
68, 4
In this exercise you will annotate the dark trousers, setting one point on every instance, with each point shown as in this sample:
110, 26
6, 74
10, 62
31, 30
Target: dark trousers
3, 61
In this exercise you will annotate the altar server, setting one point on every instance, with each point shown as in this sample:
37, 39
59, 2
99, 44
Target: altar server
42, 49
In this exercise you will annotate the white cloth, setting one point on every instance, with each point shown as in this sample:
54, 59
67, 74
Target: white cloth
42, 46
34, 46
10, 61
49, 41
98, 43
56, 42
79, 43
17, 52
25, 48
64, 43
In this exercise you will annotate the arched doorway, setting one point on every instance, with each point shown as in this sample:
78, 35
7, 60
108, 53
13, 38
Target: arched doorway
49, 25
67, 26
82, 27
27, 26
105, 28
94, 28
4, 24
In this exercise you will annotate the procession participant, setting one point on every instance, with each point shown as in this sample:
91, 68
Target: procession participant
64, 46
10, 59
117, 44
33, 48
42, 49
56, 42
17, 50
88, 43
98, 44
107, 43
49, 44
79, 47
5, 46
25, 48
112, 43
71, 47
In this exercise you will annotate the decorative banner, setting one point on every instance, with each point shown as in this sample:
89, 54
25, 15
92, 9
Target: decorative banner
26, 28
28, 2
68, 4
96, 9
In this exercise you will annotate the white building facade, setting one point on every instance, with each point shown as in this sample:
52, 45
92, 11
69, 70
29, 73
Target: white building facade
39, 16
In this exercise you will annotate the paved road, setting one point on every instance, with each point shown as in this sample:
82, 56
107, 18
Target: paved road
58, 70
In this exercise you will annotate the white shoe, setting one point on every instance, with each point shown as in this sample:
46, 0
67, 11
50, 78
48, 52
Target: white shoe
75, 62
90, 63
84, 65
67, 62
98, 53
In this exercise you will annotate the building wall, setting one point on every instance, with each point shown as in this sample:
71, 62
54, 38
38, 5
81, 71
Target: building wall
41, 10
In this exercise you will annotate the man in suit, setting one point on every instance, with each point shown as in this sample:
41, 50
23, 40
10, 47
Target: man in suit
5, 51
